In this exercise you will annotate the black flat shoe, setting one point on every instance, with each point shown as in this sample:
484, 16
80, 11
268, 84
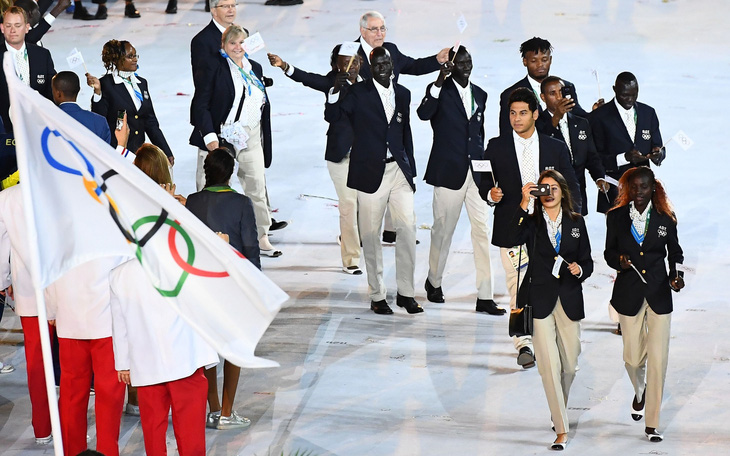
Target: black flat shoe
101, 13
83, 14
278, 225
381, 307
637, 408
434, 294
526, 358
131, 11
490, 307
653, 435
410, 304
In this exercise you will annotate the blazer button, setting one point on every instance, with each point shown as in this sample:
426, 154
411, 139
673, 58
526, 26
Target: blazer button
643, 271
136, 116
136, 132
469, 139
555, 258
641, 253
558, 276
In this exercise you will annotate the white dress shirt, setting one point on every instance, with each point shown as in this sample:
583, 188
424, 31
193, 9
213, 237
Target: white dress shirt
538, 90
534, 151
626, 113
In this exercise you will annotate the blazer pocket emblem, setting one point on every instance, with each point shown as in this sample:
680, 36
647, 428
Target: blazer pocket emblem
549, 168
399, 117
479, 117
662, 231
41, 79
645, 135
582, 135
575, 232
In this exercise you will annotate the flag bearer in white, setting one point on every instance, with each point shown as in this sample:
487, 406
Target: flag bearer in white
156, 351
79, 301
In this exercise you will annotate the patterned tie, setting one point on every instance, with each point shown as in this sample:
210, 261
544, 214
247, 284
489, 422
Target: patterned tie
563, 124
21, 66
631, 124
527, 170
388, 104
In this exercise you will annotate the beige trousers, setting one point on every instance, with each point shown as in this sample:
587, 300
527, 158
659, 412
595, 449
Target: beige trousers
347, 205
447, 205
510, 274
556, 339
396, 194
646, 352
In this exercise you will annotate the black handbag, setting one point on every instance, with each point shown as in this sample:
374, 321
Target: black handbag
520, 319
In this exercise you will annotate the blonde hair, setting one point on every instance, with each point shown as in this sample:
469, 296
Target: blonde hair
233, 32
153, 162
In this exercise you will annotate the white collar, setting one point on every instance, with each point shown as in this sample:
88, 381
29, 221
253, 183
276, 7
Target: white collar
219, 26
517, 138
534, 84
621, 109
119, 80
635, 214
14, 51
462, 90
366, 48
245, 64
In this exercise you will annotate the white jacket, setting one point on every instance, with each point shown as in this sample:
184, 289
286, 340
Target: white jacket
150, 339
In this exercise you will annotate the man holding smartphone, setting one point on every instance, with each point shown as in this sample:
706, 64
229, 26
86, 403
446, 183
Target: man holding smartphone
518, 159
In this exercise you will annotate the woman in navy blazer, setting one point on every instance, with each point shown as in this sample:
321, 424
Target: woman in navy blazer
559, 261
122, 90
641, 237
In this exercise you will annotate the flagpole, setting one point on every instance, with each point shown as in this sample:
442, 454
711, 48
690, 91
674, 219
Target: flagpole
34, 268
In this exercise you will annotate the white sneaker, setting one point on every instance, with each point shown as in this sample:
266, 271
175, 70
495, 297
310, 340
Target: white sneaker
354, 270
44, 440
6, 368
235, 421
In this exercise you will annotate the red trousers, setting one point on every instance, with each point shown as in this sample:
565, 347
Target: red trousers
40, 413
79, 360
187, 397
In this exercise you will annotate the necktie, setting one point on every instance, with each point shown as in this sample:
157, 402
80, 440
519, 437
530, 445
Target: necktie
388, 105
466, 100
21, 66
563, 124
630, 124
527, 169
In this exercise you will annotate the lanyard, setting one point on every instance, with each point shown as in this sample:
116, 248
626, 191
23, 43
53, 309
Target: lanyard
219, 189
640, 238
249, 77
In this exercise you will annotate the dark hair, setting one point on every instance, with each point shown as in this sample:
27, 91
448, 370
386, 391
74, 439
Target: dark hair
66, 82
336, 53
88, 452
535, 45
153, 162
549, 80
626, 77
30, 7
523, 94
462, 50
218, 167
112, 53
566, 203
659, 198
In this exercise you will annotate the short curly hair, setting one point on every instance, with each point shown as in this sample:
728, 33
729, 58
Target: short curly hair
112, 53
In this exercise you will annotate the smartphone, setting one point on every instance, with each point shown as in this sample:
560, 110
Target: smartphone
120, 119
541, 190
567, 92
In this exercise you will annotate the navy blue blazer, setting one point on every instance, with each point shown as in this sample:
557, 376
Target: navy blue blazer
94, 122
339, 133
457, 138
401, 63
204, 52
612, 139
660, 242
115, 97
540, 288
583, 154
373, 135
41, 72
230, 213
504, 125
506, 170
213, 101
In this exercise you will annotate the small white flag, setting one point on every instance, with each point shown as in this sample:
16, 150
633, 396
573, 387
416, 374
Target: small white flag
481, 166
684, 141
75, 58
456, 48
349, 48
685, 269
461, 23
253, 43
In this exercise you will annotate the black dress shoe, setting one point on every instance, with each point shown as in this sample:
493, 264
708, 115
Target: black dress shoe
171, 7
83, 14
637, 408
490, 307
526, 358
278, 225
410, 304
101, 13
653, 435
434, 294
381, 307
389, 236
131, 11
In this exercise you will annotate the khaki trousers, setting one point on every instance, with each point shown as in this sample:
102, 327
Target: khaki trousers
447, 205
646, 352
396, 194
557, 345
510, 274
347, 205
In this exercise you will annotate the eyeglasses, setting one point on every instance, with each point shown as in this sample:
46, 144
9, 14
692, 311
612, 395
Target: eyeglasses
131, 56
381, 29
227, 6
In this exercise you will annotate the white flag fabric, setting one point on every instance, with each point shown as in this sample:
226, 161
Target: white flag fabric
88, 202
349, 48
253, 43
684, 141
74, 58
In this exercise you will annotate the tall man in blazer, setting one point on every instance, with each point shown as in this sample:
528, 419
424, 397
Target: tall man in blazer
537, 58
626, 134
559, 122
66, 87
33, 64
518, 158
382, 168
455, 108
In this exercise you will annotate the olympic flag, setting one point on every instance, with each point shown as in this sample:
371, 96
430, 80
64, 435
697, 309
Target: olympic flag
86, 201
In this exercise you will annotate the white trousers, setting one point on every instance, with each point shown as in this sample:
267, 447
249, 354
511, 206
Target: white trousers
446, 211
510, 274
557, 346
347, 205
396, 194
646, 353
